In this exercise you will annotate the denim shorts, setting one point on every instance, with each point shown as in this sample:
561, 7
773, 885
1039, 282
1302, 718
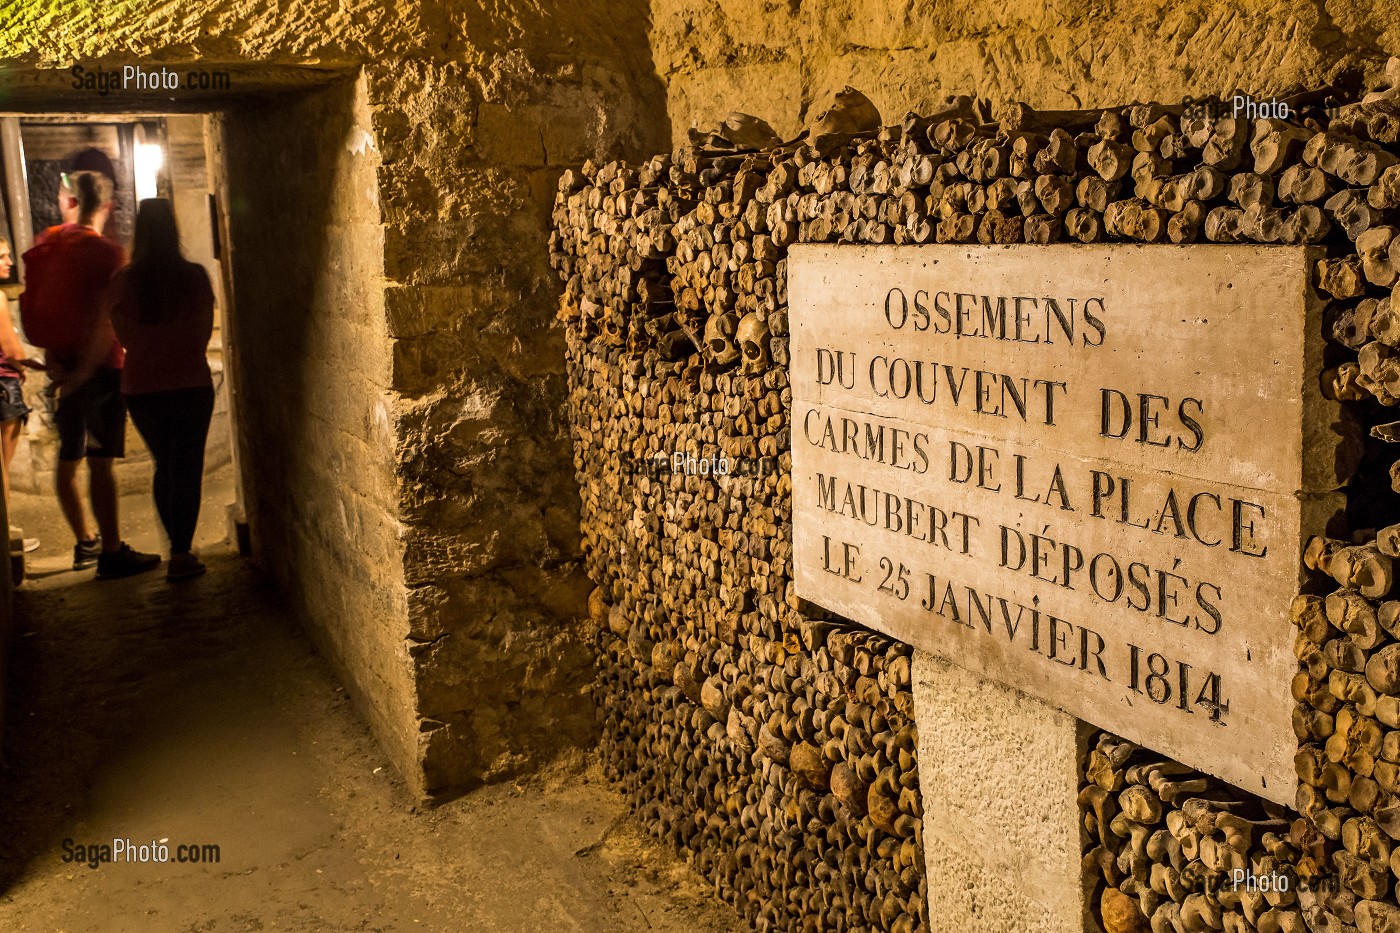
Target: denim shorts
12, 403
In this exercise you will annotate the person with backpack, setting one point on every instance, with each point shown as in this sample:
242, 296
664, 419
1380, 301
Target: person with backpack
163, 311
63, 312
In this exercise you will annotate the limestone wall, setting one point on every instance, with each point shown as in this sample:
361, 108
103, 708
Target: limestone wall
311, 366
471, 152
783, 61
490, 509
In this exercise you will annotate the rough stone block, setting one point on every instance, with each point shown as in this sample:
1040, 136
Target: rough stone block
1002, 852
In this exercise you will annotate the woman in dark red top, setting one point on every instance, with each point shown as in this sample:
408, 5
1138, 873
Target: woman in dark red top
163, 312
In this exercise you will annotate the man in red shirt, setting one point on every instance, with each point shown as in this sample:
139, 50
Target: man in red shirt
63, 310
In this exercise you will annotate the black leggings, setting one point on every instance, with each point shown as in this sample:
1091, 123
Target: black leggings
174, 425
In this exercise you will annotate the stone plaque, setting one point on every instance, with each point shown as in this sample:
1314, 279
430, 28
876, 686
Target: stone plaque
1086, 472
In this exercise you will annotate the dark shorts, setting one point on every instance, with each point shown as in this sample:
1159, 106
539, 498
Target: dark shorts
12, 403
91, 419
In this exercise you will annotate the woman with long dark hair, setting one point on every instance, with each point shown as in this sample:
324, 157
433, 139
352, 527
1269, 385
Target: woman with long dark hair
163, 312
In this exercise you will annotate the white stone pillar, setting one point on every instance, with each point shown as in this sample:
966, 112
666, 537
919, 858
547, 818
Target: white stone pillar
999, 773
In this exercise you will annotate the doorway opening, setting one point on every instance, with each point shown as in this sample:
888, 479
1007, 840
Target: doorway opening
276, 191
276, 194
151, 155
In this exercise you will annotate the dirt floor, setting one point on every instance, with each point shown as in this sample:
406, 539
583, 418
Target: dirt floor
200, 714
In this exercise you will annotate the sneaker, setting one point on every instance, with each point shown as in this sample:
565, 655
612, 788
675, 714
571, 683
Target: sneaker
184, 567
85, 553
19, 544
124, 562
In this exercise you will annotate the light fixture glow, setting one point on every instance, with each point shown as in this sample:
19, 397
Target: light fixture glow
149, 159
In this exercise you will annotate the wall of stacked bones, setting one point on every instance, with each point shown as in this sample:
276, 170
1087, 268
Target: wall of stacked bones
776, 745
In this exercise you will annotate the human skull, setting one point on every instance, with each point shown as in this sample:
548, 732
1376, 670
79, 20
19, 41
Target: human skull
614, 327
851, 112
752, 336
719, 338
